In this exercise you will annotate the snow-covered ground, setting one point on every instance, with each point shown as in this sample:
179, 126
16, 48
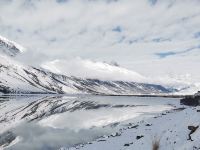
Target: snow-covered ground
169, 128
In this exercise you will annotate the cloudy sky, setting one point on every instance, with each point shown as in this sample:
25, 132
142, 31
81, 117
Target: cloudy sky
148, 36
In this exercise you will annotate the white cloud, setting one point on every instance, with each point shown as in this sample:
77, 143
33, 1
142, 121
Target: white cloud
89, 69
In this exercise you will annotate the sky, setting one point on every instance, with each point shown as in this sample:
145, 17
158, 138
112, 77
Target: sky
151, 37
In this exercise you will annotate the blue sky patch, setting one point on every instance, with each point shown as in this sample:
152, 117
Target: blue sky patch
160, 40
61, 1
197, 35
170, 53
117, 29
165, 54
153, 2
19, 30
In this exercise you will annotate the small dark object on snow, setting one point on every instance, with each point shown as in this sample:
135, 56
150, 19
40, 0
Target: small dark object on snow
139, 137
192, 130
127, 144
133, 127
101, 140
156, 144
148, 125
116, 134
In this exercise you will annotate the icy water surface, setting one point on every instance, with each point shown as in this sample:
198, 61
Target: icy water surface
55, 121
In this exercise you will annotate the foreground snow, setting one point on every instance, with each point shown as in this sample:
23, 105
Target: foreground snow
169, 127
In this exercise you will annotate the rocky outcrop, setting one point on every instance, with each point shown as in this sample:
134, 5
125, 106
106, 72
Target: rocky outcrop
192, 130
6, 138
191, 100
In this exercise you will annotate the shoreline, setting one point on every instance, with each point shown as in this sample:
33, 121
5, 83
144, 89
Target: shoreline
121, 95
164, 127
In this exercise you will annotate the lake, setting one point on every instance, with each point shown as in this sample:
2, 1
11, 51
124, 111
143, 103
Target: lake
55, 121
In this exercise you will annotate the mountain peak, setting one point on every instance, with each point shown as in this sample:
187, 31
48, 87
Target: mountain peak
9, 48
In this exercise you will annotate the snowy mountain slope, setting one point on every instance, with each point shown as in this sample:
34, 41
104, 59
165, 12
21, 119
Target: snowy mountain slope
9, 48
16, 77
86, 68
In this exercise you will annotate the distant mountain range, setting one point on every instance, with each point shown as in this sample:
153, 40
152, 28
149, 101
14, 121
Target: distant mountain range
18, 78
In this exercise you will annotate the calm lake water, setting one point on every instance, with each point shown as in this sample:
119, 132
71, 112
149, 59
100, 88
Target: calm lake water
53, 121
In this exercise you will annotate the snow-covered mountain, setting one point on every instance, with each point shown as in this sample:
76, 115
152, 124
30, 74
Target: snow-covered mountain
9, 48
16, 77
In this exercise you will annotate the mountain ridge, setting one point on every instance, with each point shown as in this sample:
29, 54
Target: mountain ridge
17, 78
9, 48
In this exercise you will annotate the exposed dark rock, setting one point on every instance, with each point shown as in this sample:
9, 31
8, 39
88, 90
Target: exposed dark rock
191, 101
101, 140
6, 138
139, 137
116, 134
133, 127
192, 130
127, 144
148, 125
